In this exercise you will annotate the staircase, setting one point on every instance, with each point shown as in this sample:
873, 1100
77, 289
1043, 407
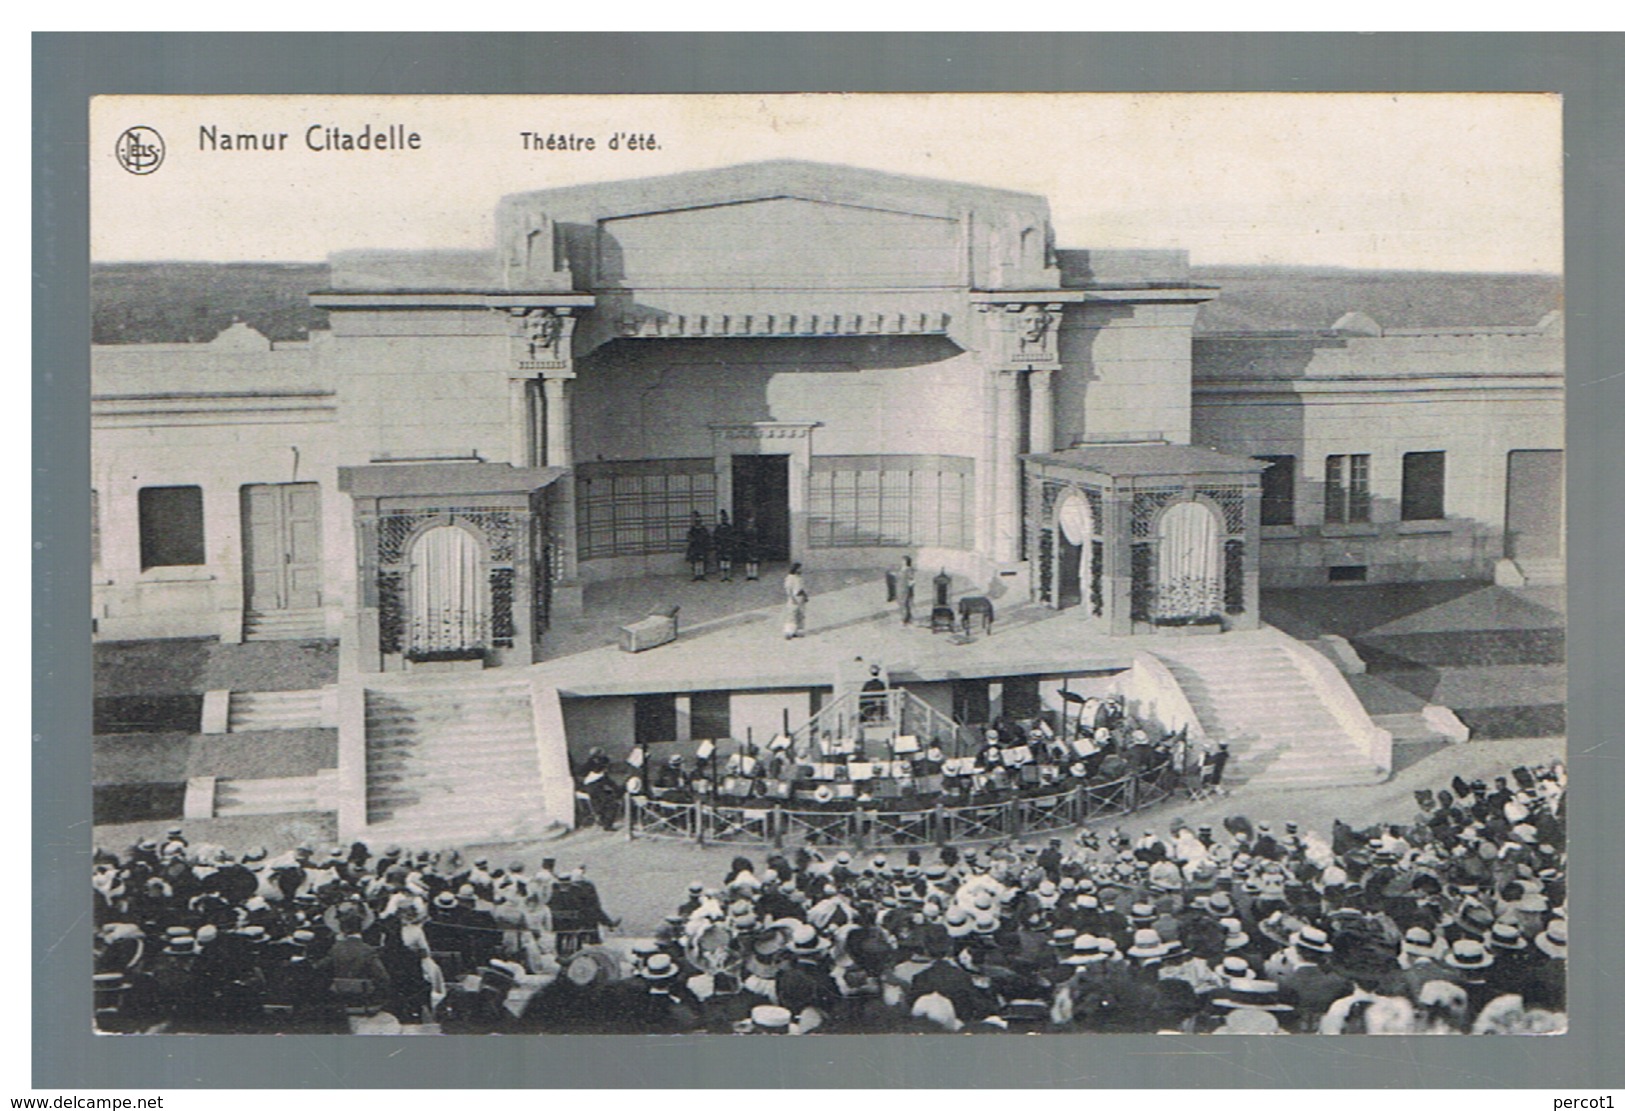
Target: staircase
1252, 691
254, 710
308, 624
296, 794
453, 765
1542, 572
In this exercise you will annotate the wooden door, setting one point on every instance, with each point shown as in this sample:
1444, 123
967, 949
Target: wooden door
282, 547
1534, 527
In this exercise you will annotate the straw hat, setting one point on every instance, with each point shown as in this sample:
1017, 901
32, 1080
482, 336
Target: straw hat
1249, 1020
659, 966
1554, 939
771, 1018
1253, 994
1313, 939
1086, 949
1420, 942
1148, 945
1469, 954
1508, 937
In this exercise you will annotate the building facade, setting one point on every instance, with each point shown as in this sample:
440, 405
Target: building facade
854, 363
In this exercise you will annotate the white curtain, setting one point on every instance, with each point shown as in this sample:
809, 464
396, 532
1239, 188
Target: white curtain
1077, 523
447, 609
1077, 526
1190, 564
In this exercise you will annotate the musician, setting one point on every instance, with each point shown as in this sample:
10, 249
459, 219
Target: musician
872, 700
992, 755
670, 778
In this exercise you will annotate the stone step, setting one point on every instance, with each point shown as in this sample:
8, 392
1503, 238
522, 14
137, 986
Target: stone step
1543, 572
254, 710
285, 625
486, 829
453, 764
435, 723
454, 734
1279, 729
1280, 707
1411, 728
432, 723
474, 692
433, 806
448, 748
496, 765
1353, 776
283, 795
454, 727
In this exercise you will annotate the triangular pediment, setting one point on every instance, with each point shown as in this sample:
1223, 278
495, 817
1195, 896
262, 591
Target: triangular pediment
753, 181
780, 242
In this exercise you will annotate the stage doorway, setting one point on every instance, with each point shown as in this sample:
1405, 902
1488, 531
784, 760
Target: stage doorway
761, 491
1074, 549
447, 592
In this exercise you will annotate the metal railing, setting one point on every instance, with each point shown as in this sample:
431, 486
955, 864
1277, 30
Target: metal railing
893, 712
779, 824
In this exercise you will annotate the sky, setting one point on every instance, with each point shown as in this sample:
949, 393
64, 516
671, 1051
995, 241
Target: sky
1410, 181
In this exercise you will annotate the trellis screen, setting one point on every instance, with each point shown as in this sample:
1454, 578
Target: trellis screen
891, 501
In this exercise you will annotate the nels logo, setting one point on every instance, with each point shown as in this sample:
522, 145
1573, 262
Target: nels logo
140, 150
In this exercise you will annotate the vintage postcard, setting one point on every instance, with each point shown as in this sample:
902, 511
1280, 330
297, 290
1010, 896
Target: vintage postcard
814, 564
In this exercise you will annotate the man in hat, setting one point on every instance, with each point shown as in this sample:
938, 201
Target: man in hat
806, 983
1468, 965
1308, 979
668, 1007
1545, 982
352, 972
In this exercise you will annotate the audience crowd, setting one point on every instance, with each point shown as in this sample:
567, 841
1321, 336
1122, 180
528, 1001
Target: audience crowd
1455, 922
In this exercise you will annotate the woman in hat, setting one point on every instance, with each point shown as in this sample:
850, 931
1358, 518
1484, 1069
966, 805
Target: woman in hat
795, 601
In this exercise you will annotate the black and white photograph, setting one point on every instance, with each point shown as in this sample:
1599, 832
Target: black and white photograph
811, 564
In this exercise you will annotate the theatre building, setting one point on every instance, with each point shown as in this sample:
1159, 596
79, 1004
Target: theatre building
859, 363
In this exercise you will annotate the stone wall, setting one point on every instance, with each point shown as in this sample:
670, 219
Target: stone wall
1474, 396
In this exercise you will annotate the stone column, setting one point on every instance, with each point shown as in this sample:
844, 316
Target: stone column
1254, 539
362, 654
558, 452
1041, 421
1117, 572
1006, 508
556, 392
1017, 337
521, 452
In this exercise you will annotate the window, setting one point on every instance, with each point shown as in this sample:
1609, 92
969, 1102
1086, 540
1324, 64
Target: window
654, 718
1421, 496
972, 704
1278, 479
95, 529
1348, 489
1021, 698
708, 716
171, 526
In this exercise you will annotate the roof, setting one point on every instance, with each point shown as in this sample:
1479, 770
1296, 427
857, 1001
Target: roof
1309, 298
1140, 460
587, 203
407, 479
